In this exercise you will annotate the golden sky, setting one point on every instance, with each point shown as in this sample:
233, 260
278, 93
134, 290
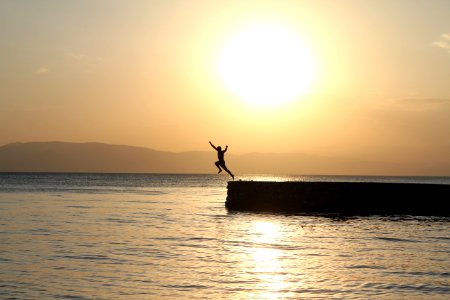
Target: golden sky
148, 73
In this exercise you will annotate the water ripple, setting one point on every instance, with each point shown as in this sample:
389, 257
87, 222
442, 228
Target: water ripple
169, 236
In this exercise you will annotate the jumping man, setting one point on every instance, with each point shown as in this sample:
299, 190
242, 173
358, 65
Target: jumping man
221, 162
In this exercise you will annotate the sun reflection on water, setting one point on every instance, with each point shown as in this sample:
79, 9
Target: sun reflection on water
266, 260
265, 232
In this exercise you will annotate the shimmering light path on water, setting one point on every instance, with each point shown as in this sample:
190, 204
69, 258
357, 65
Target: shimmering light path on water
169, 236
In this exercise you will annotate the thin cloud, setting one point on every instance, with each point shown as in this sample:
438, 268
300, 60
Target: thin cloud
76, 56
444, 42
425, 101
42, 70
422, 104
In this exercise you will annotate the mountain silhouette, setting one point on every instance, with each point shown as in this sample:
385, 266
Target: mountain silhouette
107, 158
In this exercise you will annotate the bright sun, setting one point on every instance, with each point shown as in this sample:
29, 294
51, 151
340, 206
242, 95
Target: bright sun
266, 66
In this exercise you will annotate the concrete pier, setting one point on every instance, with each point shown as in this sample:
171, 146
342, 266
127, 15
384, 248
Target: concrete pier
345, 198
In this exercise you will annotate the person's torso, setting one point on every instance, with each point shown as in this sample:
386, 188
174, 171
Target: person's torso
220, 155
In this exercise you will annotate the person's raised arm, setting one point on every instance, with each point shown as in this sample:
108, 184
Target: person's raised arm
213, 145
226, 147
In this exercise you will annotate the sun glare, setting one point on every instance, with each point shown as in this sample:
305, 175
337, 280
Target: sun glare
266, 66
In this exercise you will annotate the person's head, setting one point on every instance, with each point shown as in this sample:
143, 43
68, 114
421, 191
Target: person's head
219, 148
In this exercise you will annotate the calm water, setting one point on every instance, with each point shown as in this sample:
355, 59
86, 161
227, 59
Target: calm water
86, 236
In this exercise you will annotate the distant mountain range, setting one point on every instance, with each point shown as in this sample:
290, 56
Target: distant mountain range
106, 158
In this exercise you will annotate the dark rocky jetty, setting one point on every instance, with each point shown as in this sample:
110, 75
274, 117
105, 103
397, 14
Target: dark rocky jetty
344, 198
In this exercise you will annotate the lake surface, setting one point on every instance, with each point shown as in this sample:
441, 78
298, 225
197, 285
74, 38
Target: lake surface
149, 236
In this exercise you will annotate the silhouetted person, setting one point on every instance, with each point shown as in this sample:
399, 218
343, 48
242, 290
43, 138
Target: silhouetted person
221, 162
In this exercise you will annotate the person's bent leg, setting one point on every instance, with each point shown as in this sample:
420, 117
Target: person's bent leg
218, 166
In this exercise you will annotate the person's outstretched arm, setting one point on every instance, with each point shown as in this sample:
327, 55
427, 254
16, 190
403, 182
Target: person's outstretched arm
226, 147
213, 145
